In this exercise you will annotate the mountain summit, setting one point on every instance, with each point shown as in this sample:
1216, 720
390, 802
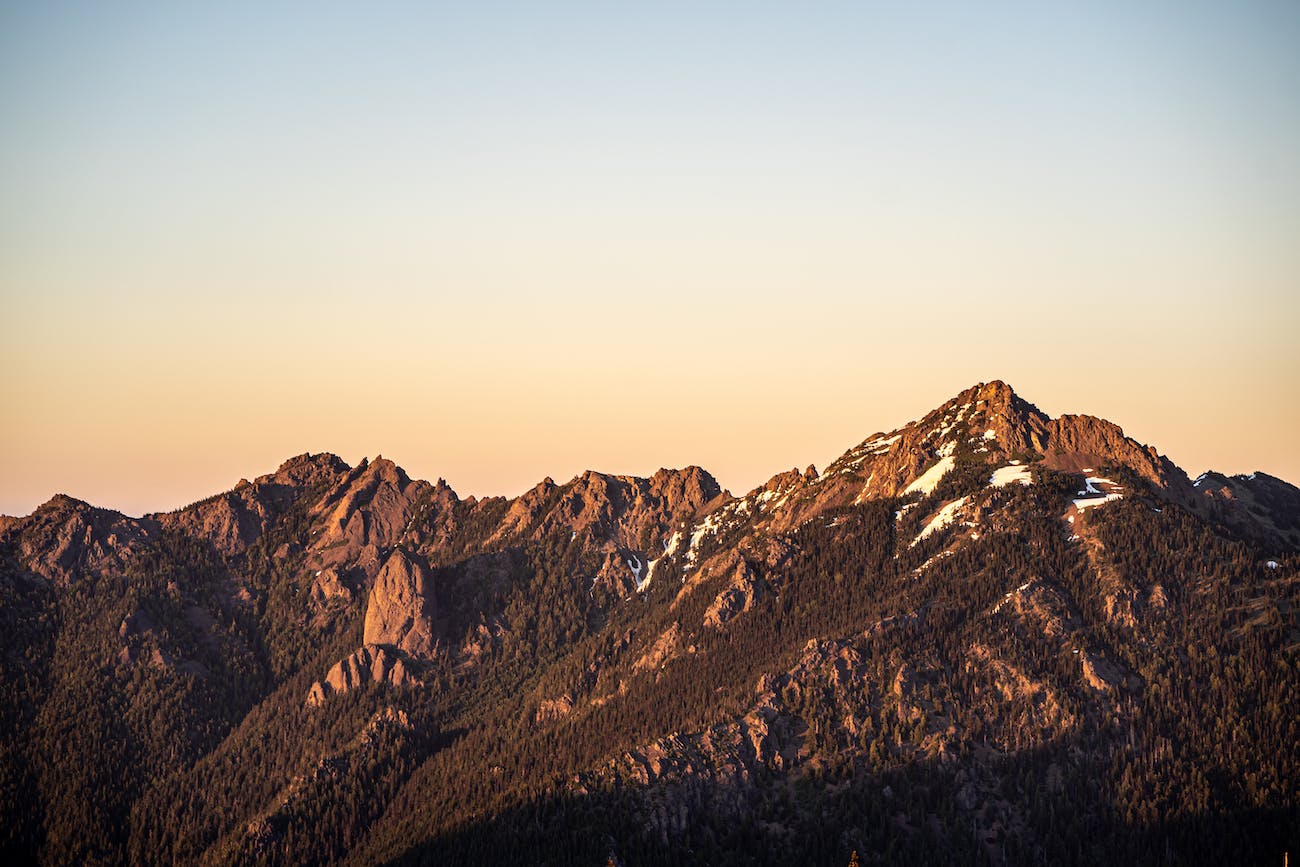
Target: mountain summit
987, 636
991, 419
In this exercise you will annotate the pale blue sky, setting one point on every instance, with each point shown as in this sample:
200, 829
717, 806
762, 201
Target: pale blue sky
832, 216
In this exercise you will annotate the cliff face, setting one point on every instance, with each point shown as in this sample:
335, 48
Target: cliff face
371, 506
402, 610
621, 509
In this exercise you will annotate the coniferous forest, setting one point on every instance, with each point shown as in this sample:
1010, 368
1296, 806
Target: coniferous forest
1042, 644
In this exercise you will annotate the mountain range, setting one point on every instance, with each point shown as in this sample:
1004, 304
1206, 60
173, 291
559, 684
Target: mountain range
987, 636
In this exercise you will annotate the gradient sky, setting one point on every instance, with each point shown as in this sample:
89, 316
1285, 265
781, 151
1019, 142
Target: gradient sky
496, 242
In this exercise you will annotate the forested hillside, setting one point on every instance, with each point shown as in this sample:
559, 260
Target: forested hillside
988, 636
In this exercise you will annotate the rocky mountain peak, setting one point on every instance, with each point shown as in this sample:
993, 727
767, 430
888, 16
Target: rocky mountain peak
66, 538
994, 395
62, 504
371, 505
1015, 422
692, 485
623, 512
307, 469
989, 422
233, 520
389, 471
1254, 504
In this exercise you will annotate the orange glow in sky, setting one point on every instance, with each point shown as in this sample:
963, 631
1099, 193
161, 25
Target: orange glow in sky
500, 247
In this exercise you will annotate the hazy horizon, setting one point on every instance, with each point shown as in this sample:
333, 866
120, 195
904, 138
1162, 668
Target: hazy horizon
502, 243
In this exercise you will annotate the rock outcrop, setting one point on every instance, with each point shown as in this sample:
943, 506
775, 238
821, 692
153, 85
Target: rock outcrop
743, 590
402, 610
369, 664
621, 512
308, 471
230, 521
1100, 674
237, 518
372, 504
66, 539
400, 626
329, 588
667, 647
1256, 505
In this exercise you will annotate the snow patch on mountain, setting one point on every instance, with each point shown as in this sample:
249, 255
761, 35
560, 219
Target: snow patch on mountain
930, 479
670, 548
1089, 502
1009, 475
942, 518
928, 563
880, 445
710, 526
1091, 482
